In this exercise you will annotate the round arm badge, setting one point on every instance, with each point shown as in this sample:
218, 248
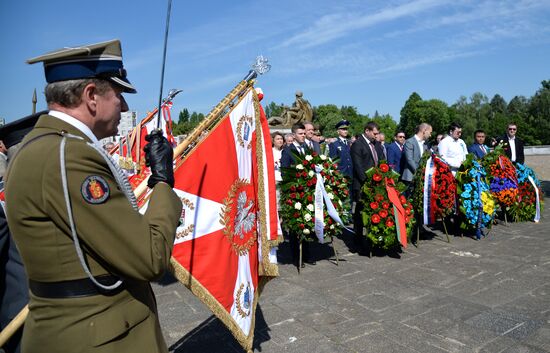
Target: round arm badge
95, 189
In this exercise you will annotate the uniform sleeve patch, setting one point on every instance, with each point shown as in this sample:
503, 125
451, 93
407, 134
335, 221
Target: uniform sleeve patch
95, 189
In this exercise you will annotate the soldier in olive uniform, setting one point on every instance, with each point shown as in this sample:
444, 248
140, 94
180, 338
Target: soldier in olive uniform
89, 254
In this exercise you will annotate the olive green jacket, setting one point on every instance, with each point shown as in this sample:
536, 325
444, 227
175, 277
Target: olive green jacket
115, 238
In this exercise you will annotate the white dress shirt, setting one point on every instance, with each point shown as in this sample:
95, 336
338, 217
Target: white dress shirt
512, 143
277, 159
77, 124
453, 152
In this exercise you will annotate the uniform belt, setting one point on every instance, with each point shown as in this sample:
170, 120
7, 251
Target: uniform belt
76, 288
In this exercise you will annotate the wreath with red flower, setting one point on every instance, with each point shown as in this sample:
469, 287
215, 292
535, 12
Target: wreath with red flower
525, 208
442, 194
501, 175
378, 211
297, 209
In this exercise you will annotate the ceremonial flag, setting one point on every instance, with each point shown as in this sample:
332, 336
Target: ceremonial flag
224, 248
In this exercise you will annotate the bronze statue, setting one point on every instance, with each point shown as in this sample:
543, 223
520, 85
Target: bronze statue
299, 112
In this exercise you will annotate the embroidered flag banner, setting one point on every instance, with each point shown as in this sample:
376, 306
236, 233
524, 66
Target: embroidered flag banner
225, 245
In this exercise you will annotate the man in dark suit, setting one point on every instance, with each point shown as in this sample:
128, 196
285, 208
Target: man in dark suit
513, 145
310, 132
395, 151
287, 160
341, 149
478, 148
366, 151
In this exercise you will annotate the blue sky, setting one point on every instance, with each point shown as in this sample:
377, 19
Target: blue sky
368, 54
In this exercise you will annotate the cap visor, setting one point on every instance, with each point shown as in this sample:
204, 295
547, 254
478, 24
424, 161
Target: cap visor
124, 83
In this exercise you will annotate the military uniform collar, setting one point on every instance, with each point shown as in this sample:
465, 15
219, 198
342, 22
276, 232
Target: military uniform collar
76, 124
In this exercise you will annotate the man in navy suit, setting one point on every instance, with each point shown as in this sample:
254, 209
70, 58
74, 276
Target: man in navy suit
310, 132
478, 148
287, 160
341, 149
395, 151
366, 152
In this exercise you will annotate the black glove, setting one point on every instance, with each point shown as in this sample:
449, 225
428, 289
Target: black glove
158, 156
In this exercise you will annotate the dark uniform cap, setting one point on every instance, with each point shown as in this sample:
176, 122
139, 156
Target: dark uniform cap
11, 134
101, 60
342, 124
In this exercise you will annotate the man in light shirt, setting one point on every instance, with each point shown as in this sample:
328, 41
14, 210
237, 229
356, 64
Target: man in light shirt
452, 148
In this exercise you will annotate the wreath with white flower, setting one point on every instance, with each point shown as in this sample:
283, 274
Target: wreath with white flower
297, 208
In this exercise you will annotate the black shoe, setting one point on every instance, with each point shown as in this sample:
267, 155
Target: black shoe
303, 265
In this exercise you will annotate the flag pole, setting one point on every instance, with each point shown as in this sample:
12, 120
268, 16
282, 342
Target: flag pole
260, 67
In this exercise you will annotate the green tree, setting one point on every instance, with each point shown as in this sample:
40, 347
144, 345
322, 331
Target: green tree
408, 120
273, 109
539, 116
386, 124
498, 104
326, 116
183, 116
434, 112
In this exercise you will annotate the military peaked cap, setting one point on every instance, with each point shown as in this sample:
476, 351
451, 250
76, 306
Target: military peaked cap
101, 60
342, 124
11, 134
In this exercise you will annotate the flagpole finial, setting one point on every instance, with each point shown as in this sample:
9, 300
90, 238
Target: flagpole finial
259, 67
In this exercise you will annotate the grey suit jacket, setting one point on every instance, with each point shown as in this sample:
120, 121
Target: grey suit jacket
411, 156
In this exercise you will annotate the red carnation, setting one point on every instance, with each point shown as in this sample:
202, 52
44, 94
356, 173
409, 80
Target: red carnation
407, 211
298, 175
314, 154
301, 195
384, 168
289, 202
385, 205
346, 192
389, 223
304, 174
296, 215
305, 162
378, 197
292, 195
374, 205
403, 199
300, 187
302, 226
383, 213
375, 218
310, 198
325, 165
377, 177
335, 165
293, 188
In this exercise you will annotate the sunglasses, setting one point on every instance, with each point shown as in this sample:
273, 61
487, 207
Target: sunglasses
512, 129
400, 137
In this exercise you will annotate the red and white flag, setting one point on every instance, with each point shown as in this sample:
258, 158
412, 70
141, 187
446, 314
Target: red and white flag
225, 245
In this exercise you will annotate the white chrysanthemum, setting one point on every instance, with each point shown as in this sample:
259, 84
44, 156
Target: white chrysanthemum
310, 207
306, 231
299, 166
331, 196
309, 157
307, 217
332, 226
340, 202
311, 173
298, 206
323, 157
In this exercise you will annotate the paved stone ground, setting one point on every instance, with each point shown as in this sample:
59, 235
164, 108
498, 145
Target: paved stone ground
491, 295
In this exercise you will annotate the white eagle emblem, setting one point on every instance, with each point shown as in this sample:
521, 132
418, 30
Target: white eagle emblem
244, 220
